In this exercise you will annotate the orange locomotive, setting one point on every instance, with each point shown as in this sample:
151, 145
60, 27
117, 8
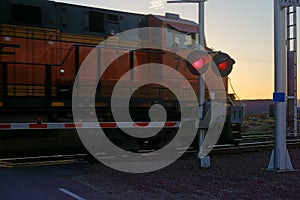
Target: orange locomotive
43, 43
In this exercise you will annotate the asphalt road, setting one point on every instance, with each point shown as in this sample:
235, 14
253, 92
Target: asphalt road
46, 182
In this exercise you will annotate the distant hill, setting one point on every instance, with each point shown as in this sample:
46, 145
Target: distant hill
259, 106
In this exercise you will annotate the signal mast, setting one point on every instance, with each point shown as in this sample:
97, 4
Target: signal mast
203, 161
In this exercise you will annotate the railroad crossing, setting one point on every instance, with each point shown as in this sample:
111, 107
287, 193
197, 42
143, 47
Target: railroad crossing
285, 51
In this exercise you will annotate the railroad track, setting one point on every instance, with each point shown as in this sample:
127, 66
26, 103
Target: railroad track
251, 146
258, 136
42, 160
250, 143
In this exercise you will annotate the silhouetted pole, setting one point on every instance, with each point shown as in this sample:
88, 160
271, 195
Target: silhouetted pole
204, 162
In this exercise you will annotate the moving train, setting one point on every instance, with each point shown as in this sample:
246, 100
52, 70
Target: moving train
43, 44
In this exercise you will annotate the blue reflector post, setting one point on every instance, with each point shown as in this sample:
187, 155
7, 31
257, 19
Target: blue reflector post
278, 97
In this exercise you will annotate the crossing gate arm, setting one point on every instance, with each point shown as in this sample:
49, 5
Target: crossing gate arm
103, 125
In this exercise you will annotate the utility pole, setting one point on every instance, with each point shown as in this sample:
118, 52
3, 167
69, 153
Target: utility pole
204, 162
280, 159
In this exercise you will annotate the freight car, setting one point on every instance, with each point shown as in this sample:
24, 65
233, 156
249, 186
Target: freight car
43, 44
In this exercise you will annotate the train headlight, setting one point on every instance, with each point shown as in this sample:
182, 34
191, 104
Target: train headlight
62, 71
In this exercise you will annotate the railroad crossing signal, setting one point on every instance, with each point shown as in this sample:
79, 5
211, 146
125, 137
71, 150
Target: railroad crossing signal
204, 162
198, 62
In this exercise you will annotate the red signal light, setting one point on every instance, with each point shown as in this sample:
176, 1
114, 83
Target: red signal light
197, 62
223, 65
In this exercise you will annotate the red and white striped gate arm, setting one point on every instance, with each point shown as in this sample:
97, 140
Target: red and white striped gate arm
105, 125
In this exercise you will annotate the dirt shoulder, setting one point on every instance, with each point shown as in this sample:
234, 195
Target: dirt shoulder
238, 176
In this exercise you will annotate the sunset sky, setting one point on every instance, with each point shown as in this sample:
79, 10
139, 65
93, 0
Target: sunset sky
242, 28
